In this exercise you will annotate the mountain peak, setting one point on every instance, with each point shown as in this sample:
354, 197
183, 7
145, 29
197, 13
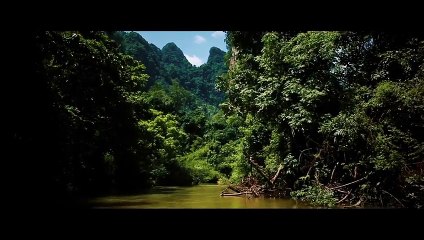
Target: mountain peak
215, 50
216, 55
171, 45
172, 54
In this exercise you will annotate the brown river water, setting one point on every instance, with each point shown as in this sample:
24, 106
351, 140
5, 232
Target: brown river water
200, 196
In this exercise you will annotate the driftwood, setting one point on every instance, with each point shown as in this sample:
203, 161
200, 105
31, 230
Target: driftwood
354, 205
237, 191
233, 188
250, 185
234, 194
229, 187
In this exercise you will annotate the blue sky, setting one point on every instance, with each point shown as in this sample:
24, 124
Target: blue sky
194, 44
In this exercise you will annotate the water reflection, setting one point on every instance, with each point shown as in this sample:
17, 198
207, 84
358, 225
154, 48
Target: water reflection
201, 196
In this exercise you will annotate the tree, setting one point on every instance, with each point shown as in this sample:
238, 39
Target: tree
321, 104
89, 90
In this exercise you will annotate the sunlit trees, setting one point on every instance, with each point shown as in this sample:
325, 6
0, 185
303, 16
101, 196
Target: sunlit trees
335, 108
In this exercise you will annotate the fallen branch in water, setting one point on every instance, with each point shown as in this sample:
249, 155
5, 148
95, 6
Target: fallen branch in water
225, 190
234, 194
251, 185
354, 205
233, 188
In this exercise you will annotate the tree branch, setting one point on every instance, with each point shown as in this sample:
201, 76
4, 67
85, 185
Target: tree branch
258, 168
393, 197
347, 184
277, 174
332, 173
341, 200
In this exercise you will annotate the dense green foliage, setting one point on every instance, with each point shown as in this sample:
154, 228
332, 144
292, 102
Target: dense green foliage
342, 113
90, 93
148, 54
334, 108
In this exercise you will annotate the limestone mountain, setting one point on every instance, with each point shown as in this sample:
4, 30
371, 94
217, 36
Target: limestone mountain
169, 64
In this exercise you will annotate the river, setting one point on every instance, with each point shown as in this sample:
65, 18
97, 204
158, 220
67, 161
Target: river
200, 196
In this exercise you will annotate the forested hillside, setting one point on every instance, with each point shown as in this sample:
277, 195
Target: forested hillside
330, 118
169, 64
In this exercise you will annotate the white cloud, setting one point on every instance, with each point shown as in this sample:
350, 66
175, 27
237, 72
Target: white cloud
195, 60
199, 39
218, 34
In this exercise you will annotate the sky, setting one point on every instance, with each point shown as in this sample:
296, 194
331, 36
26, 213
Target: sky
194, 44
